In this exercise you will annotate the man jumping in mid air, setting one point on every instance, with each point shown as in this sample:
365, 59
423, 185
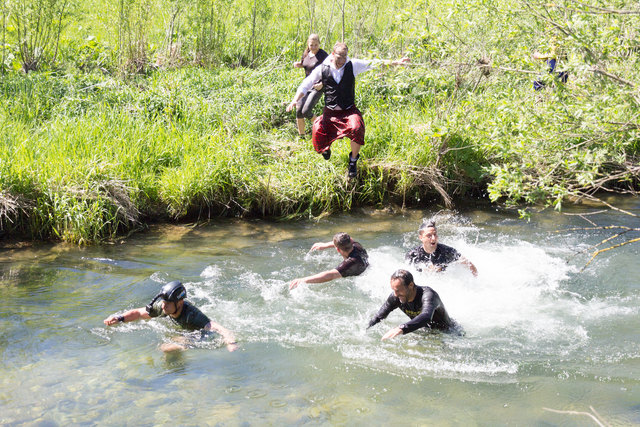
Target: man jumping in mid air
340, 117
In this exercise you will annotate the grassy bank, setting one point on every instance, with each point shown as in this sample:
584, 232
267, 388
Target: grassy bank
89, 157
90, 150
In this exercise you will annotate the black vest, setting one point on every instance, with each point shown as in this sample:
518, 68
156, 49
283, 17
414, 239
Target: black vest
342, 95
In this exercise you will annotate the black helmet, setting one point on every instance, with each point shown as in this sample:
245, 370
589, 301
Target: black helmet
173, 291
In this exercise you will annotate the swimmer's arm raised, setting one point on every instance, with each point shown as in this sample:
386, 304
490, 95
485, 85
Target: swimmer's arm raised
325, 276
227, 335
127, 316
322, 245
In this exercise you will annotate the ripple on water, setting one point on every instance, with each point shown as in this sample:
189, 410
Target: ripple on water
277, 403
233, 389
256, 394
532, 323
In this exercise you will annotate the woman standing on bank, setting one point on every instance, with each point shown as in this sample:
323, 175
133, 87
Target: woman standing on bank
311, 58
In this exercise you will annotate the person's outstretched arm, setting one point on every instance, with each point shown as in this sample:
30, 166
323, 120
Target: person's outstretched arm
322, 245
325, 276
398, 62
362, 65
227, 335
389, 305
305, 87
543, 56
127, 316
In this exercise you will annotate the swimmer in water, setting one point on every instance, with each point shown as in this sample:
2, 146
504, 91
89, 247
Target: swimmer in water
171, 302
421, 303
435, 256
355, 261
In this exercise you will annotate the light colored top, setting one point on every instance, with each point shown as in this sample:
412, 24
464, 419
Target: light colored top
359, 66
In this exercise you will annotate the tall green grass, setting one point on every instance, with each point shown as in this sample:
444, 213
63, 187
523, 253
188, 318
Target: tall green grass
95, 157
90, 157
89, 152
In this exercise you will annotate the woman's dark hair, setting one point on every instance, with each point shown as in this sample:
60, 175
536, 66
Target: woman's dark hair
404, 276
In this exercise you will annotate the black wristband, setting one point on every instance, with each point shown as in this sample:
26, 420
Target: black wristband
120, 319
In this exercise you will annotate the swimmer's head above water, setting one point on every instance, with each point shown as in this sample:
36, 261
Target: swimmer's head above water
428, 235
171, 294
403, 286
343, 243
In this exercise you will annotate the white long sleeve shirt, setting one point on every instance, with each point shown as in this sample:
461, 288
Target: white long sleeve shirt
359, 66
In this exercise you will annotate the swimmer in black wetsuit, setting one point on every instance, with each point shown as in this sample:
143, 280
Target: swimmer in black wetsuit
421, 303
355, 261
435, 256
171, 302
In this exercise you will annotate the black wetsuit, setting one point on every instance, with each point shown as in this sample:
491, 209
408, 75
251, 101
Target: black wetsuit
191, 318
355, 263
426, 311
442, 256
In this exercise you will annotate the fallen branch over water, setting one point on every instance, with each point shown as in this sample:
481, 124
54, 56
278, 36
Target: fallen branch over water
623, 230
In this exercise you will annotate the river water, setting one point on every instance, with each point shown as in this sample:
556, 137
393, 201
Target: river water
539, 333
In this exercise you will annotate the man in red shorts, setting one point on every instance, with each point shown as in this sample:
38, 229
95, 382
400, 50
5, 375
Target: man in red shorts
340, 117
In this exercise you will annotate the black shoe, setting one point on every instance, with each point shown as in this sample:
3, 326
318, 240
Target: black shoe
353, 166
326, 154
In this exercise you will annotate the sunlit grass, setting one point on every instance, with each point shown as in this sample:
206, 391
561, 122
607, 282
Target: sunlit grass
91, 157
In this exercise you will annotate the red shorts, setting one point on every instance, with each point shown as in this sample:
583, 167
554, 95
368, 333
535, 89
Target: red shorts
337, 124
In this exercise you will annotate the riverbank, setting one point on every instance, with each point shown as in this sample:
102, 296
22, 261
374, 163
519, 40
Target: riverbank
90, 157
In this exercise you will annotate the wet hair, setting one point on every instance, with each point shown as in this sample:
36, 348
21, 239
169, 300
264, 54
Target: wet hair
427, 224
343, 241
404, 276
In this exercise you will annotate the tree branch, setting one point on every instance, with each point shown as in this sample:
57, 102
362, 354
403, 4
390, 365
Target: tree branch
611, 76
596, 199
566, 31
601, 10
599, 251
627, 125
